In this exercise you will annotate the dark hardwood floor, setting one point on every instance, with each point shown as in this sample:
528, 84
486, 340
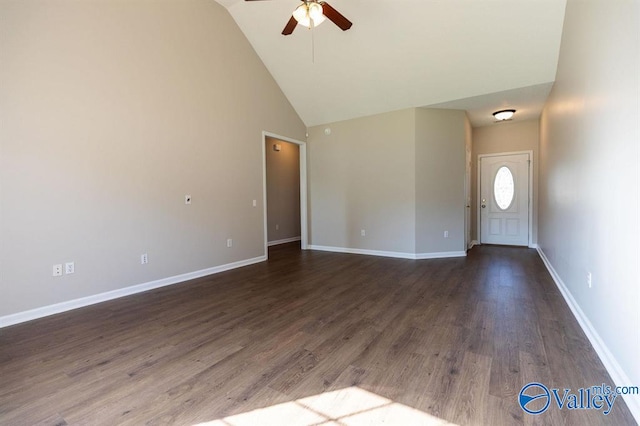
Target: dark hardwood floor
311, 338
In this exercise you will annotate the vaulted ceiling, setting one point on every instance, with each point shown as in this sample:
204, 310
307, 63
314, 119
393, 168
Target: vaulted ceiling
476, 55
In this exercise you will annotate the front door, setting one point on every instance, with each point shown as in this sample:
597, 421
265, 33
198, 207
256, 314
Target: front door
504, 199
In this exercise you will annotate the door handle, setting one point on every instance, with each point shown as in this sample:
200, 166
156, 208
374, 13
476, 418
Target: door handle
484, 206
484, 200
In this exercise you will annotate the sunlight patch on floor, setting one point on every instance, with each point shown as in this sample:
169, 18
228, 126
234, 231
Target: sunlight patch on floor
345, 407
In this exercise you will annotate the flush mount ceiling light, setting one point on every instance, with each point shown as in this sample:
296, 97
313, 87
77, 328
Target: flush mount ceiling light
504, 114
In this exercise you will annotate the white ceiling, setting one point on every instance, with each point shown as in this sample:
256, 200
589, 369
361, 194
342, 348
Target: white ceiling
476, 55
527, 101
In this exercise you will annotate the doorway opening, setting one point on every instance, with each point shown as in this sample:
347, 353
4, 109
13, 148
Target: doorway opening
505, 198
284, 191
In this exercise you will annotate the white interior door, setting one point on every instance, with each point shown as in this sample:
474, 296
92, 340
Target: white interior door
504, 199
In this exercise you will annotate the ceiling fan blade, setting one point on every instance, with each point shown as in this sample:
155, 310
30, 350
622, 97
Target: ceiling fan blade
291, 25
335, 16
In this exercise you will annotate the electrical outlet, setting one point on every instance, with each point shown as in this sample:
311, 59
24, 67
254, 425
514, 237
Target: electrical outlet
589, 282
69, 268
57, 270
446, 234
363, 233
277, 227
229, 242
187, 199
255, 203
144, 259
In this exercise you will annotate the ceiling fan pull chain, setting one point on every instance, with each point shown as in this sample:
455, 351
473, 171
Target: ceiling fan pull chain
313, 46
313, 42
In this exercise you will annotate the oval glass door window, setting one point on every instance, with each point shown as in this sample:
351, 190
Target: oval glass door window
503, 188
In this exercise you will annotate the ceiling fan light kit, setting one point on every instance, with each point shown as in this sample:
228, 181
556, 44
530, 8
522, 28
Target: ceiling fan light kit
312, 13
309, 13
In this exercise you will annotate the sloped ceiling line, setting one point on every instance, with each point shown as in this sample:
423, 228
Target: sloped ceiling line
477, 55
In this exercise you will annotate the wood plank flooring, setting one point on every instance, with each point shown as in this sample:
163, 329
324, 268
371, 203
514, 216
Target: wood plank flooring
311, 338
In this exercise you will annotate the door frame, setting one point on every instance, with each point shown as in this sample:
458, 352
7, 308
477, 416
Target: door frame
303, 188
530, 201
468, 199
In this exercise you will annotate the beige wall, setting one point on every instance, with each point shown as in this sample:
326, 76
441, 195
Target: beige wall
111, 113
361, 176
440, 176
399, 176
589, 174
504, 137
283, 190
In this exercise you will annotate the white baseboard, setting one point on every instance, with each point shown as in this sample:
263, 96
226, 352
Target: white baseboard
283, 241
614, 369
477, 243
395, 254
57, 308
439, 255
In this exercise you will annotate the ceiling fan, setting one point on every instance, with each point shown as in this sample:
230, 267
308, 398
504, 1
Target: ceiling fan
312, 13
